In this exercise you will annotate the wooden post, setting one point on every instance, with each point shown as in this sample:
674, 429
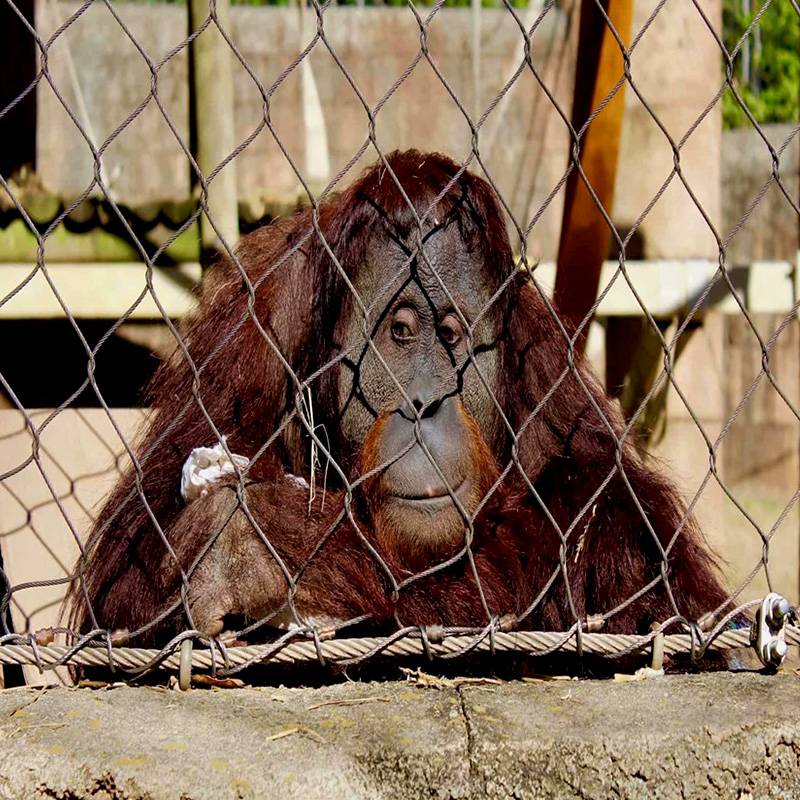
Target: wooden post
585, 235
476, 58
213, 122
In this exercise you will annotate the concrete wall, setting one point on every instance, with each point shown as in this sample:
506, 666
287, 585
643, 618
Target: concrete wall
771, 229
46, 508
688, 737
523, 142
760, 456
763, 447
752, 490
757, 456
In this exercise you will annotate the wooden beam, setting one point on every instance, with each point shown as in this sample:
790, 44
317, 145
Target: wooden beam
107, 290
212, 122
667, 288
95, 291
585, 235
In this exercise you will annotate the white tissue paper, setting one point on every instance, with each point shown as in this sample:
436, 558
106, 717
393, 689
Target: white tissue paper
205, 467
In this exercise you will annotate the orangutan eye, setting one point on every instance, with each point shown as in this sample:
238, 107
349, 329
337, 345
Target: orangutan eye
450, 331
404, 326
401, 332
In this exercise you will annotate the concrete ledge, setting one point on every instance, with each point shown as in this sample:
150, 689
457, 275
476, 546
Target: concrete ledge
716, 735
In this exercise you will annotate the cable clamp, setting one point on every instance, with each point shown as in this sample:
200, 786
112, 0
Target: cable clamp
657, 651
433, 633
426, 643
185, 671
507, 623
769, 632
595, 623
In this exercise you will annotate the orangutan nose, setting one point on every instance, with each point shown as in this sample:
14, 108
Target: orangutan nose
425, 400
443, 441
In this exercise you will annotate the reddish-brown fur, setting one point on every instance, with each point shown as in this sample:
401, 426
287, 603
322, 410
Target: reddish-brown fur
562, 455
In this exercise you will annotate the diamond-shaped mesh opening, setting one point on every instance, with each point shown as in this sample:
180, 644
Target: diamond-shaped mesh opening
497, 399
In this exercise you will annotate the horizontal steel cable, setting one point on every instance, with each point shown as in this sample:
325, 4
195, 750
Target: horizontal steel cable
339, 651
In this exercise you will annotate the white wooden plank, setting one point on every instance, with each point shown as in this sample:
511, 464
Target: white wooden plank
107, 291
94, 290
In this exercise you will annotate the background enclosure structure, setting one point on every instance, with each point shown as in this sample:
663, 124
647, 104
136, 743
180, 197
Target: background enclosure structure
712, 270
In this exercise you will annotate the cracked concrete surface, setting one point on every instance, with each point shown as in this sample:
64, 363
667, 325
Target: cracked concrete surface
702, 736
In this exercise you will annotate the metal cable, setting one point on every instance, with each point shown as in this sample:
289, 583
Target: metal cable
343, 652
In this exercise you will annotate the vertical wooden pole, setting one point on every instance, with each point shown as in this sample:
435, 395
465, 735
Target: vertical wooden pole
585, 235
317, 170
476, 58
213, 123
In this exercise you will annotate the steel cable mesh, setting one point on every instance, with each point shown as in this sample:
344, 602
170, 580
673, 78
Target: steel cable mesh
98, 646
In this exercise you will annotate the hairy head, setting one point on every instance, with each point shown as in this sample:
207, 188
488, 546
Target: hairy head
418, 339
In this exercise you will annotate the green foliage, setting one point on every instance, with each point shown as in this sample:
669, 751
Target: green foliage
772, 93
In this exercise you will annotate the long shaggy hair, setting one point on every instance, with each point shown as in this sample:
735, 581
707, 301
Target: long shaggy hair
580, 524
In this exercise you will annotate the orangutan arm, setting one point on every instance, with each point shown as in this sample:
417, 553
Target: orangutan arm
232, 570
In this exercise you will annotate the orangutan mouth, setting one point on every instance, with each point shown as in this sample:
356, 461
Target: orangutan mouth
437, 496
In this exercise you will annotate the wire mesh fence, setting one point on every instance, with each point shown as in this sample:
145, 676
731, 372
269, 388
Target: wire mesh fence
379, 433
